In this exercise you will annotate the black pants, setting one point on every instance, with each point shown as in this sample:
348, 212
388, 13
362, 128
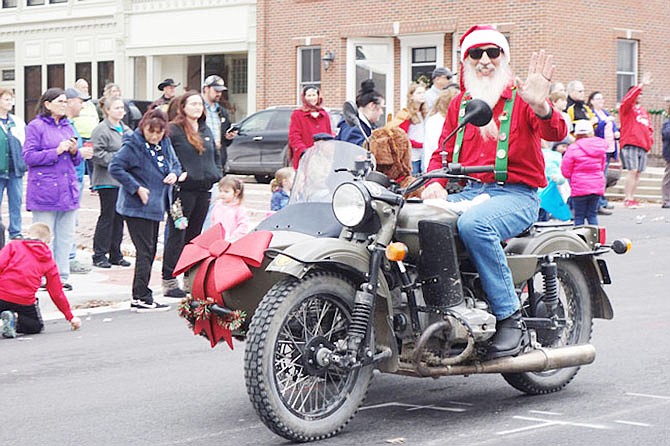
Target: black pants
109, 229
195, 205
30, 318
144, 234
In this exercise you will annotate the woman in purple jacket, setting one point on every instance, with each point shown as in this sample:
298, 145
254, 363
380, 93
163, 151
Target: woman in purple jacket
52, 190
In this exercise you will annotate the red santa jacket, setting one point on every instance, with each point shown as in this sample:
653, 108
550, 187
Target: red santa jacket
636, 129
525, 160
302, 129
23, 263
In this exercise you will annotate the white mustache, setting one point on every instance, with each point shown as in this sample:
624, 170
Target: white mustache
481, 66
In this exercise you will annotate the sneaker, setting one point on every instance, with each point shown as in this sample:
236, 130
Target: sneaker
67, 286
17, 237
104, 263
8, 322
143, 306
177, 293
77, 267
122, 262
604, 211
633, 204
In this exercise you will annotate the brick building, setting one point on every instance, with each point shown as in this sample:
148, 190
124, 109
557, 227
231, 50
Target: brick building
606, 44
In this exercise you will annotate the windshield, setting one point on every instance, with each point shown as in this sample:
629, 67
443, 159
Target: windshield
316, 179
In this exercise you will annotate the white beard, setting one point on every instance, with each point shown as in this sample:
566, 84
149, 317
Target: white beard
489, 89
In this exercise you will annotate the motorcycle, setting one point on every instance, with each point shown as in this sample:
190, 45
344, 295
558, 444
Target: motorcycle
395, 291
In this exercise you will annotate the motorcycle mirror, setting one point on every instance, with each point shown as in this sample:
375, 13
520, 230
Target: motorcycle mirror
350, 113
477, 112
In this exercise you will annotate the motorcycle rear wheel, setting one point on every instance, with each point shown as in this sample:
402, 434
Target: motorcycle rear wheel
575, 307
295, 398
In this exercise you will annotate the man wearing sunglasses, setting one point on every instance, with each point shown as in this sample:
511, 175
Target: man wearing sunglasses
522, 115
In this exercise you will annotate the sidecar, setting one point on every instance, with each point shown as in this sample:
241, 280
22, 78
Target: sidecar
308, 216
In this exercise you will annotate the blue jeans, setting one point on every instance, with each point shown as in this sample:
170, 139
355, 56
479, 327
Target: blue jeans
511, 209
62, 224
14, 186
586, 208
416, 167
73, 251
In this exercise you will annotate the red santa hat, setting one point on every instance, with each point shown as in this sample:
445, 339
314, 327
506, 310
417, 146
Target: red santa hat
480, 35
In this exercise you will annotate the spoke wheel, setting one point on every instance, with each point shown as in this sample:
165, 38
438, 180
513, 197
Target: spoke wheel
296, 392
575, 308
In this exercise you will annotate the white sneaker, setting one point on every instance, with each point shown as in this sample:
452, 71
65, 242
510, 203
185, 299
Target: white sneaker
142, 306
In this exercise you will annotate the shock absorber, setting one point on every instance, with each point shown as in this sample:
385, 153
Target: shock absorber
360, 319
550, 278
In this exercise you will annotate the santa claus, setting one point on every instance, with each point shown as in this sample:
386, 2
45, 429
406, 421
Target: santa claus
522, 115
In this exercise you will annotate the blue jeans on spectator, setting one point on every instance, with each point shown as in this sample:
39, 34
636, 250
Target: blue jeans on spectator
62, 224
586, 208
14, 186
416, 167
73, 251
511, 209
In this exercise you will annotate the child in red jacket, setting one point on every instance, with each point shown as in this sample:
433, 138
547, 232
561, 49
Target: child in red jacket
23, 263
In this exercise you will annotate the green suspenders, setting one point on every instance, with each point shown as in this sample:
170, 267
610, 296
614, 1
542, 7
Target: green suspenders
503, 136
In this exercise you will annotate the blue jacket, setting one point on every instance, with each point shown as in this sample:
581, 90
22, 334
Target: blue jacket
353, 134
279, 199
15, 138
133, 166
665, 135
52, 182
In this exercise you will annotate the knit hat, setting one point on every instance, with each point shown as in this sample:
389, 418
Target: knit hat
480, 35
583, 127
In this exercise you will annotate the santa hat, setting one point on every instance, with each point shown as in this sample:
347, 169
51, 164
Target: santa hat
480, 35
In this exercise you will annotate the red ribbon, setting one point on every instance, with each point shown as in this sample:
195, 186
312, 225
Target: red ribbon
224, 266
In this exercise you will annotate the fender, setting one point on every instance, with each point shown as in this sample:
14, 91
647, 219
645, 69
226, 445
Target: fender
522, 255
352, 260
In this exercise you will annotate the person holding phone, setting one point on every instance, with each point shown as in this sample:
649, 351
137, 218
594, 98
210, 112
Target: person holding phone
52, 191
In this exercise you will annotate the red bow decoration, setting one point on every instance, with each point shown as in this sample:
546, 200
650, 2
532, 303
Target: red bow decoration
224, 265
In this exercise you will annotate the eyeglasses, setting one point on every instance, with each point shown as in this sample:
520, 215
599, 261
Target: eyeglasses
477, 53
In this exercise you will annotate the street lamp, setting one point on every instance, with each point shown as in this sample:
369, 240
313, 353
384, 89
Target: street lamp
327, 59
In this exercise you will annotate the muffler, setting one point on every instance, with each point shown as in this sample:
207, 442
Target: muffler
538, 360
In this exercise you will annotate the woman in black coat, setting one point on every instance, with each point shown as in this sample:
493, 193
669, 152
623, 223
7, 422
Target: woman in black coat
194, 145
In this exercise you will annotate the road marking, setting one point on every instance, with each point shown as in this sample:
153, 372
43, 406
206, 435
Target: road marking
644, 395
414, 407
632, 423
548, 423
542, 412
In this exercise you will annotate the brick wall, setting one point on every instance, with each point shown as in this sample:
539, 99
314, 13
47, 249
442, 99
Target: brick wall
580, 34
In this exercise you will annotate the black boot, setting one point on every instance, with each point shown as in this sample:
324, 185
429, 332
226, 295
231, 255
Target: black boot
511, 337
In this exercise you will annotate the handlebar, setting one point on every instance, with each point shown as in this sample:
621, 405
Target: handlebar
453, 172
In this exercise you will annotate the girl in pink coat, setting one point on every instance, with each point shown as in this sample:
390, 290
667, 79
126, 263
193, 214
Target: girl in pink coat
229, 211
584, 165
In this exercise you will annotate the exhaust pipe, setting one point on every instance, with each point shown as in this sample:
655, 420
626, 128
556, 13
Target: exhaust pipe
538, 360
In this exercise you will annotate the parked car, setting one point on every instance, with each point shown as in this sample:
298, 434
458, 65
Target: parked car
261, 146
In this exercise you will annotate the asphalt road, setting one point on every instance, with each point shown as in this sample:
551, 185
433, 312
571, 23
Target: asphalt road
129, 379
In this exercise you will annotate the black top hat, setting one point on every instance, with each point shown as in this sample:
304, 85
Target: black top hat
168, 83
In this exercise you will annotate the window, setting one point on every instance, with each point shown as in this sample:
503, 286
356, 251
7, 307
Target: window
105, 75
57, 1
626, 66
281, 120
83, 70
33, 90
424, 61
375, 61
8, 75
238, 84
309, 67
34, 2
9, 3
257, 122
56, 76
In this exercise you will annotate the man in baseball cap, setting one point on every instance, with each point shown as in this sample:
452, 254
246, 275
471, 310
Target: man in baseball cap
440, 78
522, 115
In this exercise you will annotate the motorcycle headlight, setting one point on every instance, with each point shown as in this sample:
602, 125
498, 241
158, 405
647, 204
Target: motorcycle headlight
351, 204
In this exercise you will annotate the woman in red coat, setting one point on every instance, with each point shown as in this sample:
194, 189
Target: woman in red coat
307, 122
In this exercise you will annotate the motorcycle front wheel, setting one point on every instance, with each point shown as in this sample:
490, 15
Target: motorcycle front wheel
575, 307
293, 392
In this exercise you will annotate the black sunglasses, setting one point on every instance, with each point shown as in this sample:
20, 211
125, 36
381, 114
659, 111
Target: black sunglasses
477, 53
